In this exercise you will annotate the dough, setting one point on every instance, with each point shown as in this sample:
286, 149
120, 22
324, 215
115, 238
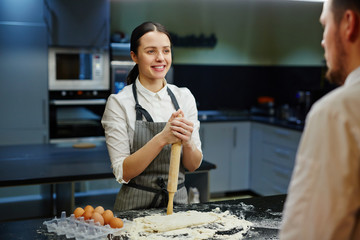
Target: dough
190, 225
164, 223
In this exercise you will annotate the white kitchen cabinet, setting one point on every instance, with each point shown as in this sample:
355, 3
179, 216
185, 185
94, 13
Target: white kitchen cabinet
273, 152
226, 144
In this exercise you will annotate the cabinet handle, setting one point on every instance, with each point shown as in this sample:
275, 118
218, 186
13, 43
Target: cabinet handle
282, 152
78, 102
234, 137
283, 172
282, 132
44, 111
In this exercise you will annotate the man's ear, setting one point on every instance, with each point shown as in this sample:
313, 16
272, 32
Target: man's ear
134, 57
351, 22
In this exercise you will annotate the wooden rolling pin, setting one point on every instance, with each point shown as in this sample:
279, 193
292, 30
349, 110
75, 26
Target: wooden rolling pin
173, 175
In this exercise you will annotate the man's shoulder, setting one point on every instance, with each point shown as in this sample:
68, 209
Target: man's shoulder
342, 100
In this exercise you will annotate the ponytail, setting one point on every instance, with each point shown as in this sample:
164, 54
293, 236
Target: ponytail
133, 74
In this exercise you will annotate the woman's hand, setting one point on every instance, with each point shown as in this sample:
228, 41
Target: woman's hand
178, 129
181, 127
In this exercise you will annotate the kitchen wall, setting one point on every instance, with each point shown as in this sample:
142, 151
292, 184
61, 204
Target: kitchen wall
238, 87
249, 32
264, 47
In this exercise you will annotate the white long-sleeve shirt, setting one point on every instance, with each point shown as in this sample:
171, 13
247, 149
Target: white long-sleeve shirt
323, 200
119, 118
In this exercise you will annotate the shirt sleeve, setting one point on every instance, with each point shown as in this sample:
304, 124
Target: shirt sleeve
323, 197
116, 134
191, 113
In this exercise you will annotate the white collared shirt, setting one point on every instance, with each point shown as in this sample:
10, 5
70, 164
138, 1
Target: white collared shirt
323, 200
119, 118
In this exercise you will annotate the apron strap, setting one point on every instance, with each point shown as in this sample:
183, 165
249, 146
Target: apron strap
158, 192
140, 111
173, 99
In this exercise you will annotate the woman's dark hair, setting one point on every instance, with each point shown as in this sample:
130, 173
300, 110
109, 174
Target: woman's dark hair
136, 34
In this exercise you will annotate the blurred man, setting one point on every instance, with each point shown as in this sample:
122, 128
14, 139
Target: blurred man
324, 194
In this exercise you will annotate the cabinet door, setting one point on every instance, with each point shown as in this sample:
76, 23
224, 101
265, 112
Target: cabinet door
19, 11
256, 183
84, 23
273, 152
216, 145
240, 156
23, 85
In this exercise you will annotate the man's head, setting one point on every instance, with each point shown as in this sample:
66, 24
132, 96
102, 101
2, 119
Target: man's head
341, 38
338, 7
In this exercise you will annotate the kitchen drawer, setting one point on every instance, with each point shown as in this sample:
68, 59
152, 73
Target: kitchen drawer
283, 156
274, 178
281, 136
266, 188
273, 153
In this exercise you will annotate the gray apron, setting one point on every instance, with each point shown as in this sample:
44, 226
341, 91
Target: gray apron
148, 190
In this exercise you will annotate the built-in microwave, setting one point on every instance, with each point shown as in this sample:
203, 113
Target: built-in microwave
78, 69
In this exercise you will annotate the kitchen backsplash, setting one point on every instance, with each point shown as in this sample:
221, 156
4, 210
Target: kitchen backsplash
218, 87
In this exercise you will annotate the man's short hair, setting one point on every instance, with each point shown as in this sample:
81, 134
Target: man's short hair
338, 7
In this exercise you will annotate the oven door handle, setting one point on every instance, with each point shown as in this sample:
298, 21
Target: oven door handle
78, 102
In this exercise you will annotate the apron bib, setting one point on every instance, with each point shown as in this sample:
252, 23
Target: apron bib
148, 190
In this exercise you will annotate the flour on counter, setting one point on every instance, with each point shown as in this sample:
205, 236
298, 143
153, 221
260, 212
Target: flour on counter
188, 225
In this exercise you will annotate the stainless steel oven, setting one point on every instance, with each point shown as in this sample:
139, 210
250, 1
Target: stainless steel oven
79, 84
74, 119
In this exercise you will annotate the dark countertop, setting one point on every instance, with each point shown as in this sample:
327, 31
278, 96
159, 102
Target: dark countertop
239, 116
54, 163
51, 163
264, 212
61, 164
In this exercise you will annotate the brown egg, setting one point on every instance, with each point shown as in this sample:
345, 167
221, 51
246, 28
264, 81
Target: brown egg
99, 209
89, 207
78, 212
107, 215
87, 214
98, 218
116, 223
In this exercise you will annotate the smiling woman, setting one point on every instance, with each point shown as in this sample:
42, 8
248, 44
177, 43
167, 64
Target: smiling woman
144, 119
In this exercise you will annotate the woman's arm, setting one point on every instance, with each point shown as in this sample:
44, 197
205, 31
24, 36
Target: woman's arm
177, 129
137, 162
183, 129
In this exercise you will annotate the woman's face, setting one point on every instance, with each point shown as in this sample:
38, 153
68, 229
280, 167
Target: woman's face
153, 56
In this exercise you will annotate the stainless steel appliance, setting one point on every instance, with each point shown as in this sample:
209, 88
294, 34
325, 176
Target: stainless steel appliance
119, 72
78, 69
79, 84
74, 119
